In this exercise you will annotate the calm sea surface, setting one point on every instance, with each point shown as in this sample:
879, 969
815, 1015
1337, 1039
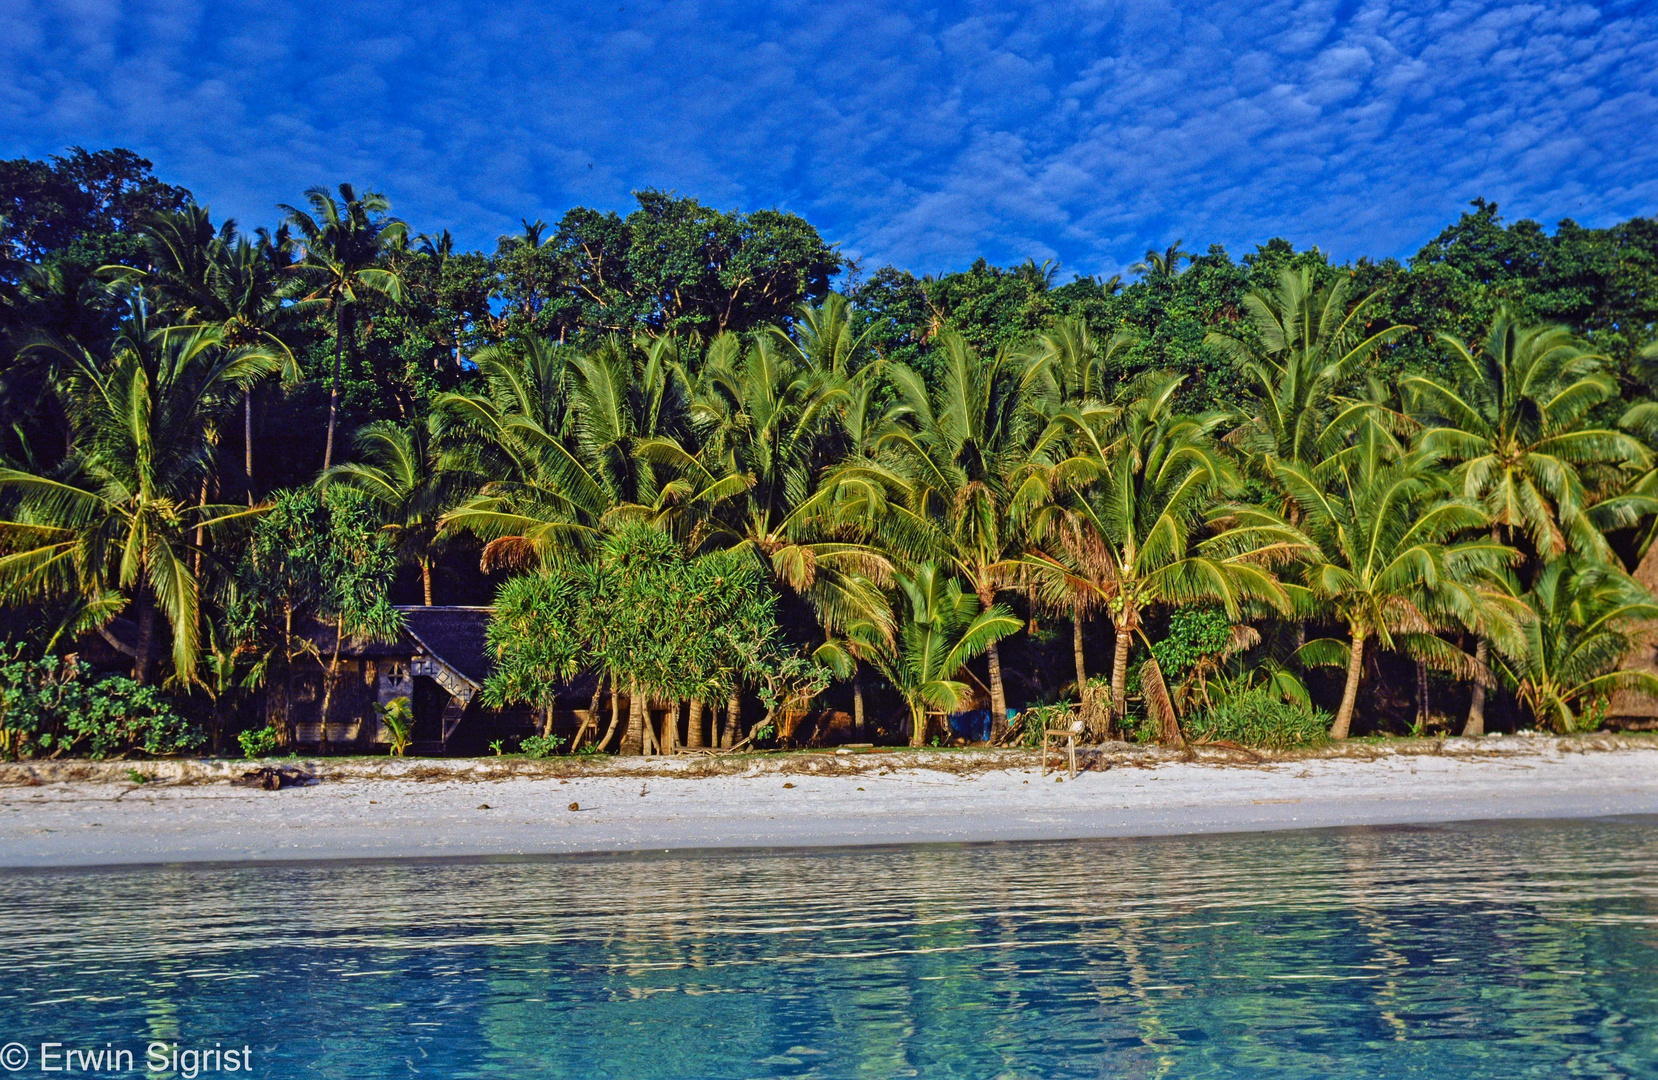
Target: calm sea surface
1501, 950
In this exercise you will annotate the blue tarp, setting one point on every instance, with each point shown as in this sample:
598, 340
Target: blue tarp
974, 726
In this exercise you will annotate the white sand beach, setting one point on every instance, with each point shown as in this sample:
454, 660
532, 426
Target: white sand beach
100, 822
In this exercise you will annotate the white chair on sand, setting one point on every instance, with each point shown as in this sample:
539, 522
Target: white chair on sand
1069, 733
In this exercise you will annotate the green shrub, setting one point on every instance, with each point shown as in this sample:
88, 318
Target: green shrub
540, 746
118, 716
1258, 717
1195, 633
257, 744
52, 706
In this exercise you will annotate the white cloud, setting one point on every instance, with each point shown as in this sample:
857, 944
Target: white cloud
1082, 131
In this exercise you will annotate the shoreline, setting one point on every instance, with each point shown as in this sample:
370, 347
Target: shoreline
473, 809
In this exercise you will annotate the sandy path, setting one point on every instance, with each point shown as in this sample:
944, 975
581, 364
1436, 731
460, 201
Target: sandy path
68, 824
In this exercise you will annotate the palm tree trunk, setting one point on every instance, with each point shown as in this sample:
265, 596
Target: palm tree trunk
146, 638
857, 701
1076, 650
334, 391
647, 729
998, 696
693, 725
426, 579
1422, 703
1475, 724
633, 741
918, 726
1350, 694
247, 439
1119, 673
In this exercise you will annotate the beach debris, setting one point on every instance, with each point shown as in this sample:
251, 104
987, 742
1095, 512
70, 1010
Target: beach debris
788, 785
575, 806
483, 806
274, 779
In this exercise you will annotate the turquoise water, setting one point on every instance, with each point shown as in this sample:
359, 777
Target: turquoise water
1498, 950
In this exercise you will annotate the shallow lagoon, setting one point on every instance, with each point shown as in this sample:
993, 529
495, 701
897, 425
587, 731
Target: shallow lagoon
1479, 950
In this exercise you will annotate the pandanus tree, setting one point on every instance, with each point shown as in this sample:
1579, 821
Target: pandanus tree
956, 480
1398, 560
941, 628
1586, 619
116, 525
1516, 421
1133, 524
345, 241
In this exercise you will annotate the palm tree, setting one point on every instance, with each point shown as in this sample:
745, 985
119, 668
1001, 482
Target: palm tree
1308, 342
957, 480
344, 241
1165, 263
219, 280
563, 439
825, 339
941, 628
1124, 530
1514, 419
1586, 619
411, 482
769, 420
1388, 561
124, 512
1076, 365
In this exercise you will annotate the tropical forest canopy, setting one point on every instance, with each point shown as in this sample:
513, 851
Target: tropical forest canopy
1261, 470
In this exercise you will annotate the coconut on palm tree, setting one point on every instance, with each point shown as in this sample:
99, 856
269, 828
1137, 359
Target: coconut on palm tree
1308, 342
241, 289
1516, 421
559, 436
957, 478
770, 419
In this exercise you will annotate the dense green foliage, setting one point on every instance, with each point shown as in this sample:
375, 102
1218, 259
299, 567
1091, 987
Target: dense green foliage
678, 461
1258, 718
55, 705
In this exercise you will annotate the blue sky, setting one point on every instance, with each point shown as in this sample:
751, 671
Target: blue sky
918, 135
